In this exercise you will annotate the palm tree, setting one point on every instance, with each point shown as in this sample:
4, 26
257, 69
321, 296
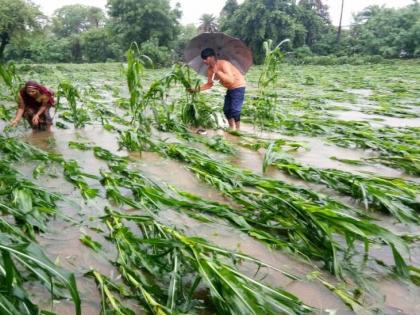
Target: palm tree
208, 23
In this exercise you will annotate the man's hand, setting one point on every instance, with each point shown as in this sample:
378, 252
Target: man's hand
35, 120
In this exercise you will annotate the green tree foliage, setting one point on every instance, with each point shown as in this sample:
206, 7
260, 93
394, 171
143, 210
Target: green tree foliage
160, 55
75, 19
387, 32
317, 6
314, 17
142, 20
99, 46
41, 49
76, 47
228, 10
255, 21
17, 18
80, 33
375, 31
187, 32
71, 21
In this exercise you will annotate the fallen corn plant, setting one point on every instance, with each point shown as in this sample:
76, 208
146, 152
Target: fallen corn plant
16, 150
74, 174
22, 261
110, 302
392, 195
162, 263
216, 143
156, 197
30, 205
306, 220
397, 147
306, 212
255, 143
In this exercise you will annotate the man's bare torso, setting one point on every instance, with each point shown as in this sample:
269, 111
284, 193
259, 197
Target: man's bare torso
234, 79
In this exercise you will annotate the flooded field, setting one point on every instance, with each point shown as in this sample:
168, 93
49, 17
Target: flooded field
312, 208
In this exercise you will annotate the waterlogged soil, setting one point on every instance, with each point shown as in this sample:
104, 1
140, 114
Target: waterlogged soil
62, 241
376, 120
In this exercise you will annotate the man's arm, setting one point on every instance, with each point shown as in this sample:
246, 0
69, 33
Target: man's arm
205, 86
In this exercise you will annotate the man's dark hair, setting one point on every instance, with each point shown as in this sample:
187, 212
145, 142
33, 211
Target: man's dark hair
208, 52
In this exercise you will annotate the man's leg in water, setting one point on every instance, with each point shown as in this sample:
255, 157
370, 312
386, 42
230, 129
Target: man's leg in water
232, 107
238, 96
231, 122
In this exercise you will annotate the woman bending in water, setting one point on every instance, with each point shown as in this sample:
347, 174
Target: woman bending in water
35, 101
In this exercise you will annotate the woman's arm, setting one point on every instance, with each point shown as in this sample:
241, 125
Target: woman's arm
44, 106
19, 112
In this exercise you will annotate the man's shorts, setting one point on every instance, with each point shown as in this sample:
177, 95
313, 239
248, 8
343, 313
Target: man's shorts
233, 103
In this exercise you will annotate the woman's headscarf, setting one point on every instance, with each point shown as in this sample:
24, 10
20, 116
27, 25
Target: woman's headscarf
42, 89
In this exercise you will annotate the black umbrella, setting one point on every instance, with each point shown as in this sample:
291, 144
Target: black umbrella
226, 48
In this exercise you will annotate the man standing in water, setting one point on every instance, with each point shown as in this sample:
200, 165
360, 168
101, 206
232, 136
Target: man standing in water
231, 78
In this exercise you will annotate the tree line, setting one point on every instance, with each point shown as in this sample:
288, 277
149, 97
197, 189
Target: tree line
80, 33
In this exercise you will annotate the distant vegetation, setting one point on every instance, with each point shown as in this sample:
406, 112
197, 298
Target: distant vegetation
80, 33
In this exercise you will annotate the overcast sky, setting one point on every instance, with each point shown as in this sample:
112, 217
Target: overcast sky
193, 9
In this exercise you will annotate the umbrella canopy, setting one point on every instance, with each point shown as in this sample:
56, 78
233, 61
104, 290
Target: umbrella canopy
226, 48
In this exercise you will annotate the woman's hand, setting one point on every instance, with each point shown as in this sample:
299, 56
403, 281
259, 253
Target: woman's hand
14, 122
35, 120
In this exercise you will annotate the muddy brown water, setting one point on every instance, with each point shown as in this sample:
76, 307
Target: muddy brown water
318, 153
376, 120
62, 241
